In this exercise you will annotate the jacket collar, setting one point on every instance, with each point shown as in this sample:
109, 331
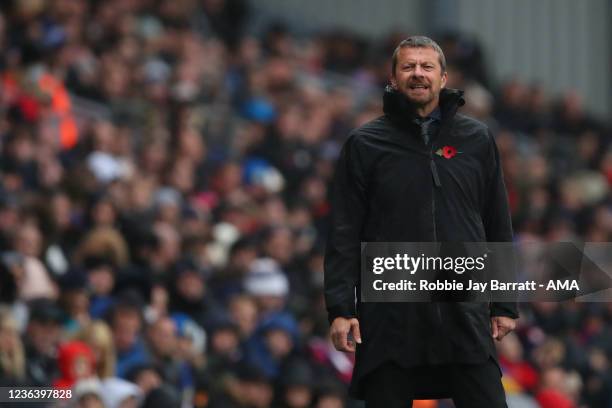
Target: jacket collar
401, 111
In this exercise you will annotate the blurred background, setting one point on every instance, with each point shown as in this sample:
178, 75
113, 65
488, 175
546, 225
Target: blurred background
164, 187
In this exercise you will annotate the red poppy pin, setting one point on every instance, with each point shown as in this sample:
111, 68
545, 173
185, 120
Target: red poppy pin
448, 152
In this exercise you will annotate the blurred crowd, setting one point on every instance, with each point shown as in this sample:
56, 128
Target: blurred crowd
164, 204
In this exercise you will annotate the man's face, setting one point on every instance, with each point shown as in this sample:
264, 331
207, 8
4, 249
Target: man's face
162, 336
44, 336
419, 76
191, 286
126, 327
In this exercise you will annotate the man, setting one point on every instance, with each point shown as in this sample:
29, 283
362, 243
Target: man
126, 322
419, 173
41, 340
162, 342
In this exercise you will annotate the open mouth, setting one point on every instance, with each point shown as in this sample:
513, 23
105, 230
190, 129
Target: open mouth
418, 86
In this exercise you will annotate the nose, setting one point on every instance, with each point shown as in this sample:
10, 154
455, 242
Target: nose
418, 71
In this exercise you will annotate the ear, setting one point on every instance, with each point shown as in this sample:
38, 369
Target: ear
444, 79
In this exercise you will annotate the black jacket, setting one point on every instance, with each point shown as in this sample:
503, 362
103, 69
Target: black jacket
392, 187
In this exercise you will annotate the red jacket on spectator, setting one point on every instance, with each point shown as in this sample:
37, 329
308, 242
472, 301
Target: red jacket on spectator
76, 361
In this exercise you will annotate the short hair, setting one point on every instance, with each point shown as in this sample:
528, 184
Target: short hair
418, 41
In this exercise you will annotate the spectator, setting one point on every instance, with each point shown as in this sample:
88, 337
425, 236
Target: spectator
146, 376
12, 356
126, 324
225, 352
191, 344
272, 344
74, 300
119, 393
162, 342
553, 392
268, 285
162, 397
297, 385
515, 367
330, 396
88, 393
97, 334
251, 388
41, 340
101, 278
189, 294
243, 311
76, 362
36, 281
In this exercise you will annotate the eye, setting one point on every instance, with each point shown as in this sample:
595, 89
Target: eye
428, 67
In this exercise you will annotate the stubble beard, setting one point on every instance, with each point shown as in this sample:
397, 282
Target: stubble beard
419, 101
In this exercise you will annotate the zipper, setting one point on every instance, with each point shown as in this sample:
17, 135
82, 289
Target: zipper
434, 172
437, 184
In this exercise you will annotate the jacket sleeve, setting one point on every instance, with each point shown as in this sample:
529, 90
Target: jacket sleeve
343, 251
496, 218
